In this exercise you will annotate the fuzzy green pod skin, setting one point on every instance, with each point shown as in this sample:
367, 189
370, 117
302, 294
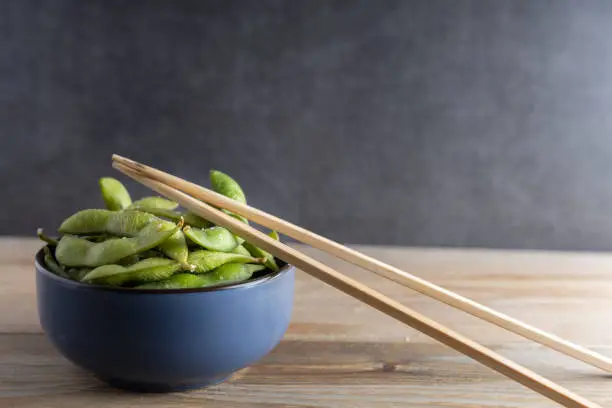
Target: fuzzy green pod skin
153, 202
87, 222
205, 261
189, 217
196, 221
224, 275
231, 273
75, 251
240, 249
128, 223
41, 235
214, 238
274, 235
52, 264
129, 260
227, 186
224, 184
162, 207
176, 248
147, 270
115, 195
177, 281
78, 273
260, 253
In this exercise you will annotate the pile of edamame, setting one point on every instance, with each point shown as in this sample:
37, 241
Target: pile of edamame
151, 244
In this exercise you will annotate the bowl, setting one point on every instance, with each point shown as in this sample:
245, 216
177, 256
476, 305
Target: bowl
164, 340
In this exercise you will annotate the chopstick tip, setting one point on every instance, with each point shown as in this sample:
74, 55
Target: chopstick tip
118, 157
134, 165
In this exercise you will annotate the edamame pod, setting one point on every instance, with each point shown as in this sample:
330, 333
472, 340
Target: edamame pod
214, 238
274, 235
162, 207
41, 235
177, 281
78, 273
52, 264
176, 248
129, 260
153, 202
224, 184
115, 195
205, 261
87, 222
128, 223
260, 253
241, 250
231, 272
147, 270
224, 275
189, 217
75, 251
196, 221
98, 221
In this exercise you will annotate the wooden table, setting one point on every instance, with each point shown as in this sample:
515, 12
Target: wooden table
340, 353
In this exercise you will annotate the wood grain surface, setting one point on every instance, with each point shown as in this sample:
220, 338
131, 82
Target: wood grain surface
340, 353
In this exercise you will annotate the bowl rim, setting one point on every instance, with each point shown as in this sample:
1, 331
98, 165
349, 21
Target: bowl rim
249, 284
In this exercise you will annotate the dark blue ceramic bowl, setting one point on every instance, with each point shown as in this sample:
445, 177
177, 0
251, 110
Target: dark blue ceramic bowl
160, 341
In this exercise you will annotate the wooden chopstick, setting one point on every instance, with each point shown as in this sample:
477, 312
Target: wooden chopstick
369, 296
382, 269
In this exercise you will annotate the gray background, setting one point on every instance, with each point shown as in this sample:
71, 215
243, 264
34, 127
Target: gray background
444, 123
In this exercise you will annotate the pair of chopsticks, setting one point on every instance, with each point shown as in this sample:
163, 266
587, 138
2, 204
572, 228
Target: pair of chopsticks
201, 200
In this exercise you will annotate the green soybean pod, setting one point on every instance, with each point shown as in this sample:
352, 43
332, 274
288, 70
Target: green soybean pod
129, 260
233, 272
177, 281
97, 221
87, 222
240, 249
78, 273
205, 261
189, 217
115, 195
52, 264
270, 262
227, 186
176, 248
214, 238
196, 221
260, 253
228, 274
127, 223
130, 222
147, 270
224, 184
75, 251
41, 235
224, 275
153, 202
162, 207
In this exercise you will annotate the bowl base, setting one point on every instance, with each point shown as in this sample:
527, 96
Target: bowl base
141, 387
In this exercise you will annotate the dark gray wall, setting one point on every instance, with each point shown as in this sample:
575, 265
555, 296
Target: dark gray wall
479, 123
